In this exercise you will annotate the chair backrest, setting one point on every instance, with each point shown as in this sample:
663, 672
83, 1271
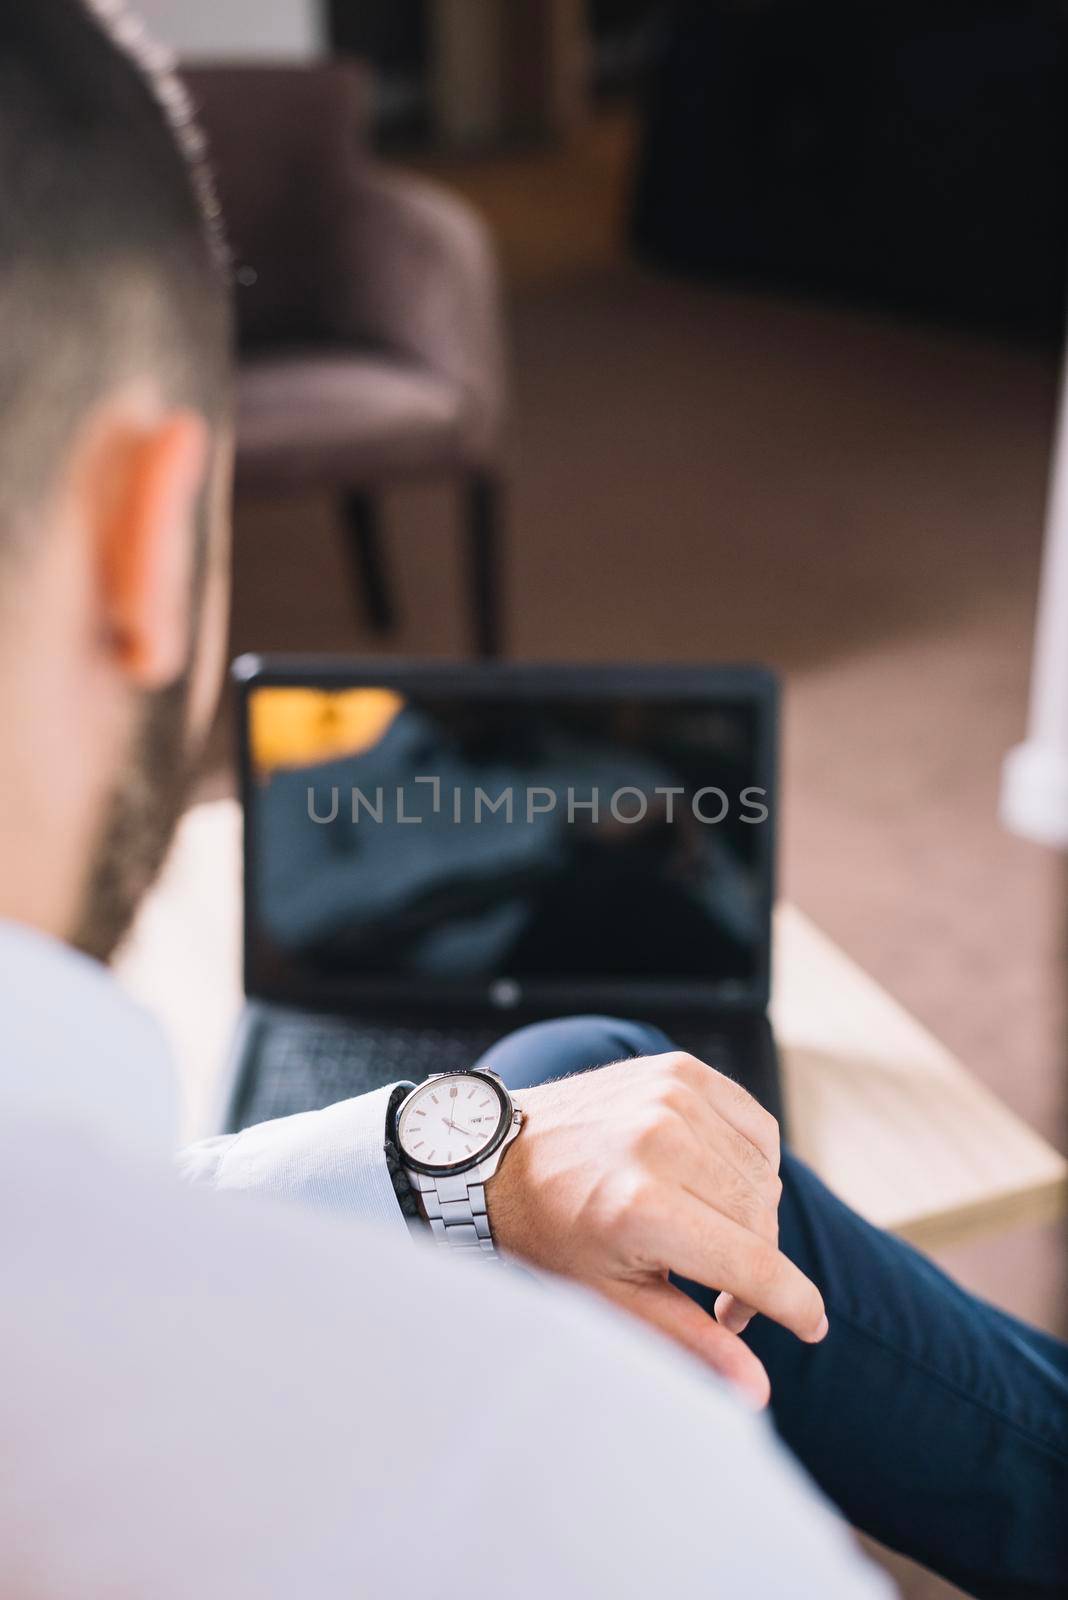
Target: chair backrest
283, 144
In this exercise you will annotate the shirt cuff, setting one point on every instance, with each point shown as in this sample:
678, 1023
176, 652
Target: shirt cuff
331, 1159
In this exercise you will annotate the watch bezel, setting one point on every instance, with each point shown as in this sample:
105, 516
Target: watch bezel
497, 1138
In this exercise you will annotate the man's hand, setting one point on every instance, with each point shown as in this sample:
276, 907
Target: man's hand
658, 1164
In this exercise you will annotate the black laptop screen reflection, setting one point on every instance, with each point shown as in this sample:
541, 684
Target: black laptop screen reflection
448, 843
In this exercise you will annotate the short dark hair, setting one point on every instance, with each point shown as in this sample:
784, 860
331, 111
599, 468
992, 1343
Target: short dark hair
112, 259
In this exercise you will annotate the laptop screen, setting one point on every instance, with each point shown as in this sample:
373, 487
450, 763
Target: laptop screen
509, 835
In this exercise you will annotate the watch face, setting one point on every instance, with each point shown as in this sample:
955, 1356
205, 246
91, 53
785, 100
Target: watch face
450, 1121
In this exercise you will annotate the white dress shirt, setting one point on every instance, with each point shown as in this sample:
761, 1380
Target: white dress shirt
210, 1394
331, 1159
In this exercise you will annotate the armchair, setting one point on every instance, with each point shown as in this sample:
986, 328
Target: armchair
369, 319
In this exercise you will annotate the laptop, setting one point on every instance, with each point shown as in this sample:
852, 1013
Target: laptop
435, 854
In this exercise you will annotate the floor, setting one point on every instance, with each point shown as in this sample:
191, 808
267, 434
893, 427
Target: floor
698, 475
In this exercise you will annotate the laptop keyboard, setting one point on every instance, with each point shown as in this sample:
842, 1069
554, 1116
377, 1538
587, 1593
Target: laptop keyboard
302, 1063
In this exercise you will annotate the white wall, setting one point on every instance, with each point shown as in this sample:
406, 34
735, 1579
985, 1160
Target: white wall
203, 29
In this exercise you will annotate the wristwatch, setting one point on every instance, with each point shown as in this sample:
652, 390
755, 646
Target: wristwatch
451, 1132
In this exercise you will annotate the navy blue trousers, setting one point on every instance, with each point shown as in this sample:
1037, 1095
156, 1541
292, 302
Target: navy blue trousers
935, 1422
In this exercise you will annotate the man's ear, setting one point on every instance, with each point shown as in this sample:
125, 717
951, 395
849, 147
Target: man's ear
149, 474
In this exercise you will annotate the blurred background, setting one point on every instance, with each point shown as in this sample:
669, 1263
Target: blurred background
733, 331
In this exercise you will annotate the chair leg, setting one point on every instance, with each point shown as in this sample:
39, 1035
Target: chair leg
363, 536
484, 540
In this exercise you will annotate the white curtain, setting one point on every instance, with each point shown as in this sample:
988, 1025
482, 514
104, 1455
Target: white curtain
203, 30
1034, 799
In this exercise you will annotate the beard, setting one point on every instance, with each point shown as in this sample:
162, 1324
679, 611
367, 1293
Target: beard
139, 822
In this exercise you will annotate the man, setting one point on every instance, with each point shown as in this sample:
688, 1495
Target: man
208, 1394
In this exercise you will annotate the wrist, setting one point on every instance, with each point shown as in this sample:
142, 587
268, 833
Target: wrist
507, 1202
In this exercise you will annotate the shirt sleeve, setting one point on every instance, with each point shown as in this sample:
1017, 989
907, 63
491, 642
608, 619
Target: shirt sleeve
332, 1160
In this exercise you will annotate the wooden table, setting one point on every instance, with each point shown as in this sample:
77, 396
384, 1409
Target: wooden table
889, 1119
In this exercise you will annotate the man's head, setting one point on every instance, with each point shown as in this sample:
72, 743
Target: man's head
114, 462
